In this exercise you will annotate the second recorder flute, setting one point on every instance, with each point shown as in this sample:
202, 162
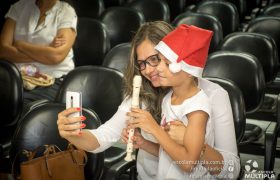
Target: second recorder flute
137, 81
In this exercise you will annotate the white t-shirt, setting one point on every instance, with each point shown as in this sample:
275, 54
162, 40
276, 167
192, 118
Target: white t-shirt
110, 132
167, 168
26, 14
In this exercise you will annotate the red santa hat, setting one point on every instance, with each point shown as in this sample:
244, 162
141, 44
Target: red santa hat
187, 49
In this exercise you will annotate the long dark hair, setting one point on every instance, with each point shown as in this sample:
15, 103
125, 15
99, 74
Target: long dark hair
149, 95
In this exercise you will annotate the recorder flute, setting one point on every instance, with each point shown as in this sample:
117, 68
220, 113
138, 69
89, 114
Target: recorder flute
137, 80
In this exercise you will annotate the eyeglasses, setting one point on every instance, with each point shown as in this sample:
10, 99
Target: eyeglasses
152, 60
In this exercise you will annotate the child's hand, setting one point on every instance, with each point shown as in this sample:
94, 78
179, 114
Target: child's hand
142, 119
137, 139
176, 131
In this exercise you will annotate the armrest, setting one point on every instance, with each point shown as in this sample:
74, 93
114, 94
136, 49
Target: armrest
116, 170
271, 135
270, 146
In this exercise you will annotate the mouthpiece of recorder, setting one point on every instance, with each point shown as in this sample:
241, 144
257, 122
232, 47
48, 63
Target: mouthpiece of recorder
137, 80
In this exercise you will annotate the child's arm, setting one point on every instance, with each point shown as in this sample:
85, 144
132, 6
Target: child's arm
195, 133
188, 155
175, 131
194, 137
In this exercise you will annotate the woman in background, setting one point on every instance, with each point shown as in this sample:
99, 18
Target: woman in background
40, 33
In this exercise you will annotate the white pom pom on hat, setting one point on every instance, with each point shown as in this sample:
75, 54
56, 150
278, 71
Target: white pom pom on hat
175, 67
187, 49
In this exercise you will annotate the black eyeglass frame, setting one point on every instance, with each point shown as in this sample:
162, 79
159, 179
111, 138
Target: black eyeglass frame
139, 63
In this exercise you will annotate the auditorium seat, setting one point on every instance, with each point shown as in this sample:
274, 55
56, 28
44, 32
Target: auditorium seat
101, 90
152, 10
241, 8
265, 50
247, 73
203, 21
261, 46
176, 7
11, 103
272, 10
121, 23
88, 8
269, 26
118, 57
225, 11
92, 42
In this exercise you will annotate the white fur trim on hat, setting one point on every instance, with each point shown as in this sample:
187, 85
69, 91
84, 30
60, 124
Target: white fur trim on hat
166, 52
193, 70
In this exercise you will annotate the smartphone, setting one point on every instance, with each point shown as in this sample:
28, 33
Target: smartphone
74, 100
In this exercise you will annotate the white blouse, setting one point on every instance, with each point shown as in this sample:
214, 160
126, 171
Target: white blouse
26, 14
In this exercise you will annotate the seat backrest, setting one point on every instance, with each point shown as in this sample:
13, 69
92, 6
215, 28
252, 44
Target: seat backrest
267, 25
244, 70
261, 46
88, 8
225, 11
92, 42
204, 21
101, 89
241, 8
252, 4
176, 7
118, 57
237, 105
38, 127
121, 23
152, 10
11, 93
270, 2
272, 10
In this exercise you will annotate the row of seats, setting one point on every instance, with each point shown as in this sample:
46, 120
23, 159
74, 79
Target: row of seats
98, 43
97, 83
87, 8
120, 23
262, 47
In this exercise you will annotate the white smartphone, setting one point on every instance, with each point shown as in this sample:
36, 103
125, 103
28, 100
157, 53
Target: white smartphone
74, 100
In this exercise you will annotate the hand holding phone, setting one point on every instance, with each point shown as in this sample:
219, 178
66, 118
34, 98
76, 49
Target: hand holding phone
74, 100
